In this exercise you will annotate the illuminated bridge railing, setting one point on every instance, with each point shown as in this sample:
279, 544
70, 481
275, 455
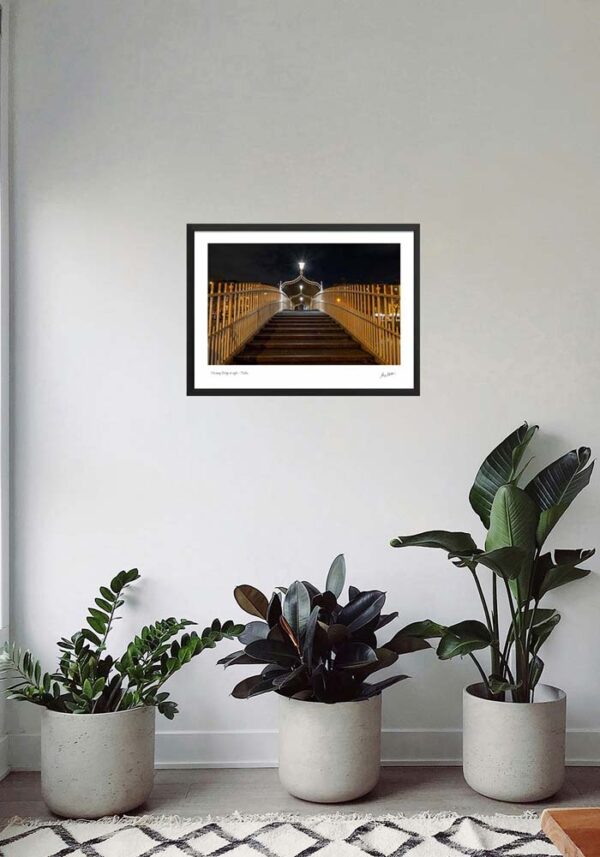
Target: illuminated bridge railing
370, 313
236, 311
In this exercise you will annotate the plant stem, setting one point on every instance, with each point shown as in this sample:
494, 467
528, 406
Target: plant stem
535, 604
519, 643
532, 611
507, 669
507, 647
526, 642
483, 601
496, 633
481, 672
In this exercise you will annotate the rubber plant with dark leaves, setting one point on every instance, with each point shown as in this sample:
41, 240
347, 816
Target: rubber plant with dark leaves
518, 519
314, 648
90, 681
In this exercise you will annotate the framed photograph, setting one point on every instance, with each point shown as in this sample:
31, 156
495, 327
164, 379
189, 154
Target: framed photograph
303, 310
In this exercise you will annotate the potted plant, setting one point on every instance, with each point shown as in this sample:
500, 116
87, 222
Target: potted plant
513, 726
317, 655
99, 712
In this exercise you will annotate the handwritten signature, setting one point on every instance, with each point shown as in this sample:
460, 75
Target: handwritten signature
387, 375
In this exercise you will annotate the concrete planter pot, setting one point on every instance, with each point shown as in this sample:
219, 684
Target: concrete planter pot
514, 751
97, 764
329, 753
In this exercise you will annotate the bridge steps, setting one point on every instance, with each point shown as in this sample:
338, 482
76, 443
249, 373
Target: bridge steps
311, 338
302, 344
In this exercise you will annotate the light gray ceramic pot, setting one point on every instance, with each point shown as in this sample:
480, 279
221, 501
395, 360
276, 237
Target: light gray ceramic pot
514, 751
97, 764
329, 753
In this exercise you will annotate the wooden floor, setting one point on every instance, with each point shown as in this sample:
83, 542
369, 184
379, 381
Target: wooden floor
225, 790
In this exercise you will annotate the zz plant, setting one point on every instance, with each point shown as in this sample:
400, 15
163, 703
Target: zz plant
518, 520
314, 648
89, 681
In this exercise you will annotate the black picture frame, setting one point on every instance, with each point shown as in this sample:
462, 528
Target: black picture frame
193, 228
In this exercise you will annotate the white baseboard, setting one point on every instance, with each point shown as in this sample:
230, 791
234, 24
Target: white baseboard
258, 749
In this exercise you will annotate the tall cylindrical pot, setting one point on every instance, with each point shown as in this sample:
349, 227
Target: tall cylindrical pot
329, 753
97, 764
514, 751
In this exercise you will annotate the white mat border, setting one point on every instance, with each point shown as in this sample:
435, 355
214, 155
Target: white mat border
168, 821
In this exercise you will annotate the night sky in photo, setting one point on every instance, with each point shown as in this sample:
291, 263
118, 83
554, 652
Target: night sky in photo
330, 263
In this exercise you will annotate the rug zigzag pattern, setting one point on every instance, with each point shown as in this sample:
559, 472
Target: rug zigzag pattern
239, 836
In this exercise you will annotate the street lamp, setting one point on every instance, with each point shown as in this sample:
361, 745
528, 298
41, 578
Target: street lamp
301, 266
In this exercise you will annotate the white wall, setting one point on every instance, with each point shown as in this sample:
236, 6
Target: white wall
4, 374
132, 117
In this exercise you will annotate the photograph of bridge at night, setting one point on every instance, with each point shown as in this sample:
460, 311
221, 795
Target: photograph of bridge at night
300, 313
308, 304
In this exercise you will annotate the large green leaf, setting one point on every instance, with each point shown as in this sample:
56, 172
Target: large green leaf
369, 690
385, 620
462, 639
542, 630
336, 576
274, 670
385, 658
309, 637
403, 644
274, 610
254, 685
561, 481
326, 601
536, 668
573, 556
513, 520
556, 486
562, 570
534, 618
272, 651
292, 682
452, 542
354, 655
548, 520
499, 467
337, 635
513, 564
362, 610
254, 631
506, 562
239, 657
427, 629
296, 607
311, 588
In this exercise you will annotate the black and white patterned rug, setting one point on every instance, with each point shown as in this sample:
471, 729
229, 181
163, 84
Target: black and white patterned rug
425, 835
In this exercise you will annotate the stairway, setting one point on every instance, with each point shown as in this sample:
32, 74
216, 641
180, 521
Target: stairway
308, 338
